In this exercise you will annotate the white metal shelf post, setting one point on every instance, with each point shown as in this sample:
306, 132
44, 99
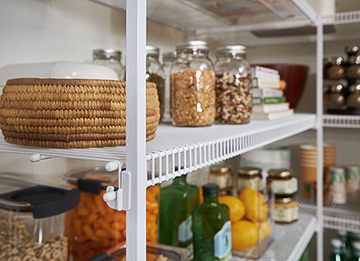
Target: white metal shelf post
135, 128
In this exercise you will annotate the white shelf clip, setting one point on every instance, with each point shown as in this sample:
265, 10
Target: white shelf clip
37, 157
118, 199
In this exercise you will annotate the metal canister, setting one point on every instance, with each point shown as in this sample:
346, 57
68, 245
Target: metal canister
338, 185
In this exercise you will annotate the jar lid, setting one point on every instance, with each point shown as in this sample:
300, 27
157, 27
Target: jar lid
279, 173
335, 243
354, 88
356, 245
351, 49
221, 169
169, 56
327, 61
283, 200
152, 51
231, 49
337, 60
355, 59
250, 171
336, 88
107, 53
326, 88
193, 45
211, 190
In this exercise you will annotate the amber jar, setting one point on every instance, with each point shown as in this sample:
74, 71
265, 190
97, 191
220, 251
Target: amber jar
249, 177
282, 183
336, 97
351, 50
336, 70
223, 177
286, 210
353, 72
353, 99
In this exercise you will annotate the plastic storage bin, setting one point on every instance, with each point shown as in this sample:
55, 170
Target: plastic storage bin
31, 219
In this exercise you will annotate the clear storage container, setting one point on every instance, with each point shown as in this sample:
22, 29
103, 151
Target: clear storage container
192, 85
110, 58
168, 59
31, 219
233, 85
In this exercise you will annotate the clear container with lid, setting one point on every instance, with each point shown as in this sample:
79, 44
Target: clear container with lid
336, 70
32, 219
155, 74
282, 182
192, 85
286, 210
353, 99
168, 59
233, 85
249, 177
336, 96
223, 177
110, 58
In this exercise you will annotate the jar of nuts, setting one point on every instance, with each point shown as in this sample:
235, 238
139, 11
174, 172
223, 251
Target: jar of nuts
32, 219
192, 85
233, 85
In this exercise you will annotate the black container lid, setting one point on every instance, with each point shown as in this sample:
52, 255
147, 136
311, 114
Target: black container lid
41, 200
211, 190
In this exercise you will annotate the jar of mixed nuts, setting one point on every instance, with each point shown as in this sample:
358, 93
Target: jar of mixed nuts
282, 182
223, 177
233, 85
168, 59
249, 177
192, 85
336, 69
286, 210
155, 74
110, 58
353, 99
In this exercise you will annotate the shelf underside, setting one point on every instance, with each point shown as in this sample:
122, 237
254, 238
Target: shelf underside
189, 148
341, 121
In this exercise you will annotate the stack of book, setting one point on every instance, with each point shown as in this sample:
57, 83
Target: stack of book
269, 101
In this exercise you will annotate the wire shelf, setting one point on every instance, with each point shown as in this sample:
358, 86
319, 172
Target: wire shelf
341, 121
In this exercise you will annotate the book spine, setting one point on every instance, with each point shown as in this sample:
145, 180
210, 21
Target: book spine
265, 75
268, 100
266, 83
257, 92
265, 69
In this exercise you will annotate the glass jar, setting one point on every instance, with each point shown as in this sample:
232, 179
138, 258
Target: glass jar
353, 99
286, 210
351, 50
155, 74
282, 182
233, 85
223, 177
249, 177
110, 58
192, 85
336, 97
353, 72
336, 69
168, 59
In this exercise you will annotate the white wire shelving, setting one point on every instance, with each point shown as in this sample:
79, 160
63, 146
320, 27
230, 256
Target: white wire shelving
341, 121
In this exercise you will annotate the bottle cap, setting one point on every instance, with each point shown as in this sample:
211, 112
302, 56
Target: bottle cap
356, 245
335, 243
211, 191
342, 233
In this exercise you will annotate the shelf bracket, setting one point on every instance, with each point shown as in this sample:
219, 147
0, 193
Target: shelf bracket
118, 199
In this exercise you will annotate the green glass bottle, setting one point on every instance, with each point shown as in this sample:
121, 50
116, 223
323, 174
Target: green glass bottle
211, 227
177, 202
344, 245
336, 251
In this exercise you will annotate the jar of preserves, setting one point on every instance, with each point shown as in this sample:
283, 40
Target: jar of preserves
233, 85
286, 210
223, 177
192, 85
110, 58
336, 69
282, 182
155, 74
353, 72
336, 97
353, 99
168, 59
249, 177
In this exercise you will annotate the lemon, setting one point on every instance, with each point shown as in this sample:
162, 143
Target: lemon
236, 207
256, 208
243, 234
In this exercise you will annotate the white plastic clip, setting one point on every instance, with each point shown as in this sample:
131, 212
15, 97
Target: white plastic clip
118, 199
37, 157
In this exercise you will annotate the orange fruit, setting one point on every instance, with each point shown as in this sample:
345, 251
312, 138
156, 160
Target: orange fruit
243, 234
256, 208
201, 198
236, 207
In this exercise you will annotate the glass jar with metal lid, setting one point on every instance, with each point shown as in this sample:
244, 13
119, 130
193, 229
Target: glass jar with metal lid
336, 69
282, 182
353, 72
168, 59
233, 85
110, 58
192, 85
249, 177
155, 74
223, 177
336, 97
353, 99
286, 210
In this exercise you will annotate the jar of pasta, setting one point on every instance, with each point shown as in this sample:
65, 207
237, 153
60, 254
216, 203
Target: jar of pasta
249, 177
192, 85
223, 177
282, 183
233, 85
286, 210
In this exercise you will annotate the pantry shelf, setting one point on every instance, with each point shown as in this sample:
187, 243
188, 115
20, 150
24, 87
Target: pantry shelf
189, 148
290, 240
341, 121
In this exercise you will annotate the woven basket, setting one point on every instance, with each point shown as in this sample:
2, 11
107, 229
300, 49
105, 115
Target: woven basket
70, 113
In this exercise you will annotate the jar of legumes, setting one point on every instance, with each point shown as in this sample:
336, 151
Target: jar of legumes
233, 85
192, 85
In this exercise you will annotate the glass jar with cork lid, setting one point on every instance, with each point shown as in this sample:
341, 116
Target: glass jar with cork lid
223, 177
249, 177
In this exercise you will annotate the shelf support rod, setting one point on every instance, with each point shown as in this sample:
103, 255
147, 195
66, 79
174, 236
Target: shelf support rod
307, 10
135, 128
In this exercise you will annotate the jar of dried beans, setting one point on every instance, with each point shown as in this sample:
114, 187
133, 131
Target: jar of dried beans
192, 85
233, 85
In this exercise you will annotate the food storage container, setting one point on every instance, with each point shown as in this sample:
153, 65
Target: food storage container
282, 182
155, 252
94, 227
223, 177
192, 85
353, 99
336, 97
336, 70
31, 219
353, 71
155, 74
249, 177
168, 59
286, 210
351, 50
233, 85
110, 58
